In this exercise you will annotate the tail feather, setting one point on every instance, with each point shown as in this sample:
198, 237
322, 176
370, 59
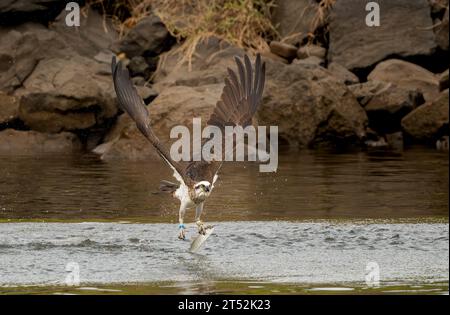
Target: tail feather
168, 187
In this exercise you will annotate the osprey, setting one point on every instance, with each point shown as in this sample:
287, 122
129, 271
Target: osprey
238, 103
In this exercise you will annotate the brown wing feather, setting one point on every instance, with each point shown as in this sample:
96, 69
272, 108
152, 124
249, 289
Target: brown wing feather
239, 101
132, 103
237, 105
241, 95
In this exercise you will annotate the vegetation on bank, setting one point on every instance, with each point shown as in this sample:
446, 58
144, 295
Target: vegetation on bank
243, 23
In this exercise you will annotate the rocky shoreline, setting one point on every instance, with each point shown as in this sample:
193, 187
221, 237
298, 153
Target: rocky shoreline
347, 86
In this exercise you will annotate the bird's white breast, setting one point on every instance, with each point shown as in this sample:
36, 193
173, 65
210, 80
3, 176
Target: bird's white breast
182, 193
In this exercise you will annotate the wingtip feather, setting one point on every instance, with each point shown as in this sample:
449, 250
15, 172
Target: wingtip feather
113, 65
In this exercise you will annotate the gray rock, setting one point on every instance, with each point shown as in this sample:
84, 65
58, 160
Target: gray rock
176, 105
365, 91
284, 50
308, 104
138, 81
443, 80
104, 57
441, 31
341, 73
310, 107
269, 55
25, 6
42, 42
405, 30
437, 6
96, 34
148, 37
139, 67
92, 39
407, 75
209, 65
428, 122
66, 94
18, 57
311, 50
13, 12
293, 19
14, 142
313, 60
23, 46
387, 107
395, 141
9, 108
148, 94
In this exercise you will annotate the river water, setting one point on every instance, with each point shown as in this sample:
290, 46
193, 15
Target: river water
317, 223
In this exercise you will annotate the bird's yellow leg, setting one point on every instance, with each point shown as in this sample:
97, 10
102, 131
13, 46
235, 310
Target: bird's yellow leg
181, 227
200, 224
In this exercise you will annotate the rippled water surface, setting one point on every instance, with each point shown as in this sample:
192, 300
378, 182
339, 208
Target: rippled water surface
307, 185
286, 252
312, 227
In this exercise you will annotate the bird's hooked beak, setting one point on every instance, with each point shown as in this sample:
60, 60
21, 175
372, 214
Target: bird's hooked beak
203, 187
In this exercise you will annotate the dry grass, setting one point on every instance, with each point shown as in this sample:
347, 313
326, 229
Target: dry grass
243, 23
318, 27
320, 20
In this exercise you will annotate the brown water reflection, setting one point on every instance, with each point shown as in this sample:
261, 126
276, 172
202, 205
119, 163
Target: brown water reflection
307, 185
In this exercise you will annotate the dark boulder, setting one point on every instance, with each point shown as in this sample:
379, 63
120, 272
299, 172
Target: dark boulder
386, 109
407, 75
96, 34
428, 122
406, 29
312, 60
23, 46
14, 142
176, 105
284, 50
9, 108
272, 56
208, 65
149, 37
66, 94
310, 107
147, 93
311, 50
438, 6
18, 58
365, 91
341, 73
13, 12
441, 31
443, 80
139, 67
294, 18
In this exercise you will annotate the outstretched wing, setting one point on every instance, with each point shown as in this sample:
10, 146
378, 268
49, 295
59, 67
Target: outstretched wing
241, 95
238, 103
132, 103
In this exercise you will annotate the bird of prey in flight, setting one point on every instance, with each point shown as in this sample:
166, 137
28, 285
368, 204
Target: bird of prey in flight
238, 103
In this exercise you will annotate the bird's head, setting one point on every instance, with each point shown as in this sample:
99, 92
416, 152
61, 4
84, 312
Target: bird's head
202, 189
